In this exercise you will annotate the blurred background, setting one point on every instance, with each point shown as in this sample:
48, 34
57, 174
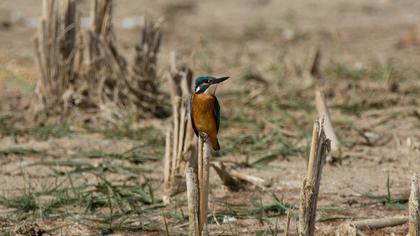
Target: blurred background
369, 55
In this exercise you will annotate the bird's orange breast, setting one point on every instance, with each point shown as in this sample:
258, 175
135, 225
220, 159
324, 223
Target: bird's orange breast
204, 116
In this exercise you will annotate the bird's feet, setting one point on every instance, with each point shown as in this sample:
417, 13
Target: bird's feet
204, 137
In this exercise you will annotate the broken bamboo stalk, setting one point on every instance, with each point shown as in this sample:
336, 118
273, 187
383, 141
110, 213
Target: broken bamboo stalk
167, 165
197, 190
378, 223
323, 112
181, 147
203, 180
414, 208
193, 199
320, 146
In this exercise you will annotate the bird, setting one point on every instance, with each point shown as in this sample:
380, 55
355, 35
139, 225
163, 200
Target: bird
205, 109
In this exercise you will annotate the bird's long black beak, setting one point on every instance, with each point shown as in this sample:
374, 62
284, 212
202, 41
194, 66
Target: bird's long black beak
218, 80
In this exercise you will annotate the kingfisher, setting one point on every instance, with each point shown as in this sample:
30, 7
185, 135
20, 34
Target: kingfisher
205, 109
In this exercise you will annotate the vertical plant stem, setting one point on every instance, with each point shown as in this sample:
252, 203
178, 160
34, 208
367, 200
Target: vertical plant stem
320, 146
182, 126
193, 200
414, 208
204, 187
176, 106
167, 164
200, 175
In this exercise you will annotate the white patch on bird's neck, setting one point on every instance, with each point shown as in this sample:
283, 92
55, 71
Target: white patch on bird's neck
212, 89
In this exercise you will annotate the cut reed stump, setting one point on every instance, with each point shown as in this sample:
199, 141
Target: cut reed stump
321, 104
414, 208
179, 146
193, 197
197, 175
203, 183
323, 112
84, 71
320, 146
55, 47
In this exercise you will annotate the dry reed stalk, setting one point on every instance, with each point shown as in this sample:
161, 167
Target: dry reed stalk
203, 180
378, 223
323, 112
321, 105
197, 176
176, 107
103, 81
414, 208
320, 146
179, 146
193, 199
55, 48
168, 160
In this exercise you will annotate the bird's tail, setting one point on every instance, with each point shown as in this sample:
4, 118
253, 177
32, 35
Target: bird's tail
214, 143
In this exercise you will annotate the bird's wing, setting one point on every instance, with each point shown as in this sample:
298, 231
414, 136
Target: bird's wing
191, 116
217, 113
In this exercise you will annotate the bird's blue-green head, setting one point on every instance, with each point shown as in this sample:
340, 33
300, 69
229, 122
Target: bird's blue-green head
203, 83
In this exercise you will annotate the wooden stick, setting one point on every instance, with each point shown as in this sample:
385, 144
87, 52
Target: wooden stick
193, 200
379, 223
203, 177
182, 126
167, 166
197, 175
414, 208
323, 112
309, 194
176, 106
204, 189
